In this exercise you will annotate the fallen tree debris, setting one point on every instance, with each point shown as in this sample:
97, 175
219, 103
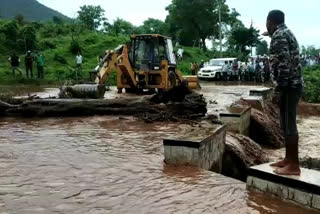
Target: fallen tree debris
241, 153
191, 107
265, 124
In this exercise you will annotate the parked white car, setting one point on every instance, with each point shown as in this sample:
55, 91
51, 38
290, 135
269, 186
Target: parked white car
214, 69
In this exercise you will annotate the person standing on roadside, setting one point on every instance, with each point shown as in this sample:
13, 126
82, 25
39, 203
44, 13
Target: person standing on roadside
28, 60
193, 68
15, 63
201, 64
40, 65
285, 61
79, 60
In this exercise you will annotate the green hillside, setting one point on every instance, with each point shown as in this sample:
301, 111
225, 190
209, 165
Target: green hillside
60, 61
32, 10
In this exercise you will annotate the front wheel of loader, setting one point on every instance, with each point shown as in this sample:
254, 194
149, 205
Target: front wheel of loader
172, 80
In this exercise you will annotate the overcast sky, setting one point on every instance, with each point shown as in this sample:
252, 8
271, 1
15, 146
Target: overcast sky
301, 16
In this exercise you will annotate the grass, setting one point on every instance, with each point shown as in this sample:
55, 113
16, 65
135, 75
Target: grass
60, 62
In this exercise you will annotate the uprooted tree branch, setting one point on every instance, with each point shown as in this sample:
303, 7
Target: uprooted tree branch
160, 107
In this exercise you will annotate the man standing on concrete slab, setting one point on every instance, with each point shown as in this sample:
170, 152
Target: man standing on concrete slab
285, 62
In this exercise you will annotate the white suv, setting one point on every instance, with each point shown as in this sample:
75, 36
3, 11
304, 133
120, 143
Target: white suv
213, 70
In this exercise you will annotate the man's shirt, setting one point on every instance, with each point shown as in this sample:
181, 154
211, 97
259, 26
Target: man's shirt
285, 58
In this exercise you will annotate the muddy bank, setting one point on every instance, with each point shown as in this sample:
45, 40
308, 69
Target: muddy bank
308, 109
265, 124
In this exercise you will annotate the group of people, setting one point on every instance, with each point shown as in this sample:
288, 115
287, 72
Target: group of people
29, 61
35, 58
255, 70
309, 61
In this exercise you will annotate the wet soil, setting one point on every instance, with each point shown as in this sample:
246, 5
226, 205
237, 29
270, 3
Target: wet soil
115, 165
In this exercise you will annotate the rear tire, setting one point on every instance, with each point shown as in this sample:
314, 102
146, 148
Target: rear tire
172, 80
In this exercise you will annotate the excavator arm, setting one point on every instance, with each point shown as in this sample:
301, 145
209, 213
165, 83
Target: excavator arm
108, 64
118, 58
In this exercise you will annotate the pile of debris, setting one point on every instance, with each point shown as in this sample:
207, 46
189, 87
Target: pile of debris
265, 124
240, 154
172, 105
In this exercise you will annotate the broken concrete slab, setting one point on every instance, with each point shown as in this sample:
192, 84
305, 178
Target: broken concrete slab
303, 189
255, 102
265, 93
203, 148
237, 120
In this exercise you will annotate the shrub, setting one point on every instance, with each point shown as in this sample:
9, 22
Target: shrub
47, 44
312, 84
91, 39
59, 58
75, 47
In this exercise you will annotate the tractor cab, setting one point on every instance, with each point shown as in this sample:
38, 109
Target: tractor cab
147, 52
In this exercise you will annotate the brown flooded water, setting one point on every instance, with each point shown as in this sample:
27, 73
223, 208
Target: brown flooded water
20, 90
309, 141
111, 165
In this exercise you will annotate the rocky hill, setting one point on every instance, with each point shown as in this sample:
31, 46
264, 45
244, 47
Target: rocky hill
32, 10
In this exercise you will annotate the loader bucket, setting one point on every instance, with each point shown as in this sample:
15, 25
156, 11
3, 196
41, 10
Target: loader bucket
84, 91
192, 81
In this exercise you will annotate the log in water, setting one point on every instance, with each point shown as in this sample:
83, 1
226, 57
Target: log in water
192, 106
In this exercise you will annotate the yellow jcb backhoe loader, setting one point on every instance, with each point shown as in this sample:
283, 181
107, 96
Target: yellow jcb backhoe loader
147, 62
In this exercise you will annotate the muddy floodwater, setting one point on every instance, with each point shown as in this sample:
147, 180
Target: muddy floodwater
115, 165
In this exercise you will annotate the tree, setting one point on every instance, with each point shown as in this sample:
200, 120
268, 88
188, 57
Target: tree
154, 26
312, 51
75, 32
241, 37
120, 26
91, 16
10, 31
20, 19
262, 48
57, 20
253, 37
198, 17
29, 37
